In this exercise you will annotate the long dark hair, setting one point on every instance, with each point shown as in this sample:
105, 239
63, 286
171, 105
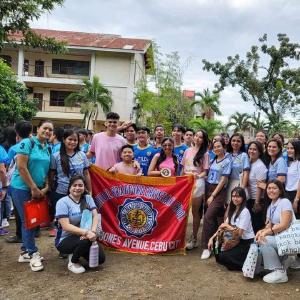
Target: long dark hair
296, 145
241, 193
64, 157
268, 157
162, 156
259, 147
83, 203
242, 149
202, 150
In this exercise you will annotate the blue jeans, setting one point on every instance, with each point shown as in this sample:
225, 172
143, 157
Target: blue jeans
28, 235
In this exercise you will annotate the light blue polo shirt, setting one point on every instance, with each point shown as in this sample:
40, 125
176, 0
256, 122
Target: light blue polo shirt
55, 147
38, 163
219, 169
66, 207
278, 168
239, 163
3, 155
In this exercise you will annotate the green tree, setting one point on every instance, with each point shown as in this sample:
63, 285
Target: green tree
166, 105
274, 88
239, 121
14, 104
212, 127
15, 17
90, 97
209, 103
257, 123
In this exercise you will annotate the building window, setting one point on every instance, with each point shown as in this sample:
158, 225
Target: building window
57, 98
70, 67
7, 59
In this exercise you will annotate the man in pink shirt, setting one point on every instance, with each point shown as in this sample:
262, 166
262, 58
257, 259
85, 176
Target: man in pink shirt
106, 145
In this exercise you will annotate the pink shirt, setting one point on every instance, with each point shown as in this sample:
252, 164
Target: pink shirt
107, 149
167, 163
188, 163
122, 168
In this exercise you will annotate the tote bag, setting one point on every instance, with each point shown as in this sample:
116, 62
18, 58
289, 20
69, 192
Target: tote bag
36, 212
288, 241
250, 262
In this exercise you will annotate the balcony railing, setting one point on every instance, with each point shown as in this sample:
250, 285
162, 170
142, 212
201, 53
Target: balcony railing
44, 105
40, 70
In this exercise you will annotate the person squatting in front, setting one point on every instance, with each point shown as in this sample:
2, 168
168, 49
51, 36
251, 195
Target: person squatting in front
71, 239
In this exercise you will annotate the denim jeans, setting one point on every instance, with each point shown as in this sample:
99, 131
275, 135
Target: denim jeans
28, 235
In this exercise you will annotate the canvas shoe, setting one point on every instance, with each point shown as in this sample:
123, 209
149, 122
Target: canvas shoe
191, 243
36, 262
205, 254
294, 263
75, 267
3, 232
24, 257
277, 276
5, 223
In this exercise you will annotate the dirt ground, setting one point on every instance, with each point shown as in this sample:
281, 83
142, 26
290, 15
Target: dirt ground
132, 276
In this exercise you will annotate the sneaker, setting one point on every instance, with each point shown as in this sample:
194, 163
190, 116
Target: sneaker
277, 276
5, 223
52, 232
205, 254
24, 257
75, 267
3, 232
36, 262
192, 243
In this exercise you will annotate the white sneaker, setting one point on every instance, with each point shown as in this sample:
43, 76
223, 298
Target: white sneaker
76, 268
36, 262
24, 257
191, 243
205, 254
277, 276
5, 223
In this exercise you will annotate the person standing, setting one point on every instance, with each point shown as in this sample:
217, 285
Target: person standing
106, 145
177, 134
189, 137
29, 181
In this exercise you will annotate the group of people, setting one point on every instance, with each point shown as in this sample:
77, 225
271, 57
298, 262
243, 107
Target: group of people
252, 188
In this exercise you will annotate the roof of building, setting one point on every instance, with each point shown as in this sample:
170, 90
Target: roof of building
94, 40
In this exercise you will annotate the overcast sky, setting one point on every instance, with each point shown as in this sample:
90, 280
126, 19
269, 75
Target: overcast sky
197, 29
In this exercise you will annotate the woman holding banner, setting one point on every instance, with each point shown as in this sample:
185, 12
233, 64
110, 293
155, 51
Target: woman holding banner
165, 162
196, 161
217, 179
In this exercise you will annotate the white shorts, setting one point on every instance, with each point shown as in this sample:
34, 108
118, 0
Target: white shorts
199, 189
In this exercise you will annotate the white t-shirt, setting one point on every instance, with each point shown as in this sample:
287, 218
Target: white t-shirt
258, 171
275, 209
243, 221
293, 176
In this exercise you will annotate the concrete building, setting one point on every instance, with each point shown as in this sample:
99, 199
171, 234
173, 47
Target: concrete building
119, 62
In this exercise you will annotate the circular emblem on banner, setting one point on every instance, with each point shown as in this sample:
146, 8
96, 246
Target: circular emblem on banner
165, 172
137, 217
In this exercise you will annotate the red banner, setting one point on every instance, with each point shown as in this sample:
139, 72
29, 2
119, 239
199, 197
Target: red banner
142, 214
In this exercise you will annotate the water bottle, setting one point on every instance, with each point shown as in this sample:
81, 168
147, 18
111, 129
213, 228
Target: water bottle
94, 255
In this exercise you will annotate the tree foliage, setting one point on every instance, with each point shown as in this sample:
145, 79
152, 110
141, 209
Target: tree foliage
14, 104
90, 97
165, 106
209, 103
15, 16
273, 88
212, 127
239, 121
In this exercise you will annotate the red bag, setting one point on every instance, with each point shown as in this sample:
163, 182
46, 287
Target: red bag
36, 212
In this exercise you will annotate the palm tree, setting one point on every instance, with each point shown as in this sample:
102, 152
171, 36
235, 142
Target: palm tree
212, 127
90, 97
209, 103
239, 121
257, 123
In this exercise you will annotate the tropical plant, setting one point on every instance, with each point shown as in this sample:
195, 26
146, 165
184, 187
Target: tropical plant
239, 121
209, 103
257, 123
212, 127
90, 97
